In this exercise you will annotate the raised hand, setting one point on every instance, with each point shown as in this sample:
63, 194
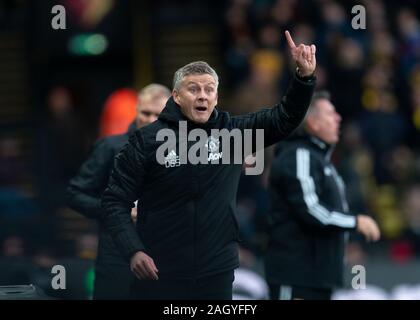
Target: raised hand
303, 55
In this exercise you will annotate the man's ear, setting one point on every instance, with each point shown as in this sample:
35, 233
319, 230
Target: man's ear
175, 95
311, 123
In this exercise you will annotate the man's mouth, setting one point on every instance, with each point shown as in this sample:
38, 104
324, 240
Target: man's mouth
201, 109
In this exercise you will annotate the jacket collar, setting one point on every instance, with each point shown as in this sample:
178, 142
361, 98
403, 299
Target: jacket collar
301, 135
326, 148
318, 142
172, 113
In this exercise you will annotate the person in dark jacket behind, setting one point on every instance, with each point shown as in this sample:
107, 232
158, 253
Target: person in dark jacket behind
309, 213
112, 273
185, 243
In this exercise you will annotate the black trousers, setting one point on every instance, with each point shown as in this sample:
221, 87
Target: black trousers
112, 281
215, 287
285, 292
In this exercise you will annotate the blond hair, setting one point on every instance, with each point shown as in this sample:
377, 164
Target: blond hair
153, 92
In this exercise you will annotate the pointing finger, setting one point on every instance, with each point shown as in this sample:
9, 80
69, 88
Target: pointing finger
290, 40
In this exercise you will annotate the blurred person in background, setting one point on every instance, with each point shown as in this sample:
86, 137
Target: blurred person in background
112, 274
412, 213
62, 142
407, 246
15, 268
384, 128
185, 244
18, 207
12, 166
261, 87
309, 216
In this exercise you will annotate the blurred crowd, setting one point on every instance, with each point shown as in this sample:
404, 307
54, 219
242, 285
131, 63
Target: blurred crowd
373, 75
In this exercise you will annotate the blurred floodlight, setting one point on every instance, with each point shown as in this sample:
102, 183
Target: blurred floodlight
88, 44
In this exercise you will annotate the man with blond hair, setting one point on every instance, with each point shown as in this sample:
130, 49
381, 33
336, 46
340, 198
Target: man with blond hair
112, 274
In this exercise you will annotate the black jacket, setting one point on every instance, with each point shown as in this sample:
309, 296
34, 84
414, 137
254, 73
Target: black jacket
308, 217
187, 222
85, 190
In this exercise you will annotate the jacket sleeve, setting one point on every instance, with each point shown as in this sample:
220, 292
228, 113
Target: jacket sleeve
299, 176
281, 120
85, 189
122, 191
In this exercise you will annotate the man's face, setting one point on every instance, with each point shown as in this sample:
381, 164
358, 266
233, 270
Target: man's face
325, 122
148, 111
197, 97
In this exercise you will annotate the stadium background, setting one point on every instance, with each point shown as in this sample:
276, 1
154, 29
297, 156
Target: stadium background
60, 88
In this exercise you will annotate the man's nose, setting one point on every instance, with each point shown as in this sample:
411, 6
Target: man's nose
202, 95
338, 117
